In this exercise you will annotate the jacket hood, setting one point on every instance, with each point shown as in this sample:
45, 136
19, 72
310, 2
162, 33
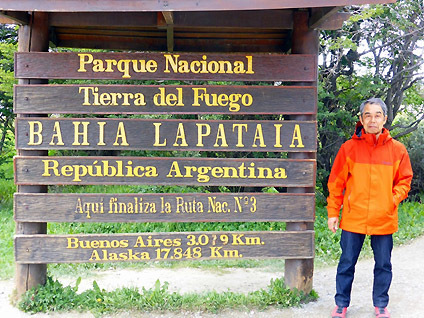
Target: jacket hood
360, 134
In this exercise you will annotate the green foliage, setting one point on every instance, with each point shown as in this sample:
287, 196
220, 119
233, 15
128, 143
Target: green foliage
6, 70
53, 296
411, 221
7, 231
8, 46
7, 224
415, 146
368, 13
327, 247
375, 54
7, 187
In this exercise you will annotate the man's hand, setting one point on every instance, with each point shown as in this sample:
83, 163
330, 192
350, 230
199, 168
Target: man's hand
333, 224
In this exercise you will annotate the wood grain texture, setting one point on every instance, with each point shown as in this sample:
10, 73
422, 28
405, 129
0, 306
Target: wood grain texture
93, 248
117, 99
213, 20
32, 37
264, 67
165, 134
164, 171
164, 207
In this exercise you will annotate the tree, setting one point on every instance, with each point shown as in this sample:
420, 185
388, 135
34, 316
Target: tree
8, 45
378, 52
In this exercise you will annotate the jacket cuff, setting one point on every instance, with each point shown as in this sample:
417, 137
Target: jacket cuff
397, 199
332, 213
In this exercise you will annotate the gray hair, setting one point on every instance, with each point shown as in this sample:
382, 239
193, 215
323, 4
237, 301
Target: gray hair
377, 101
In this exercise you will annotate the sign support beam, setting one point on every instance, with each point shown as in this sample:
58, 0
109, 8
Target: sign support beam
299, 272
32, 38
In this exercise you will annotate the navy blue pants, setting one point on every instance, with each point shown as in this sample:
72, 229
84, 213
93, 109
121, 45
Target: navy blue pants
351, 244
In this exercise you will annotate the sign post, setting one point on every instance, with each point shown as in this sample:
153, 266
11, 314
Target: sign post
32, 38
299, 272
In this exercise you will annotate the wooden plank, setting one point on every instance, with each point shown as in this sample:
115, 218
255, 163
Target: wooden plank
169, 17
105, 20
182, 32
335, 22
190, 66
171, 5
164, 207
222, 33
11, 17
181, 44
256, 19
165, 134
154, 39
107, 42
327, 18
88, 99
6, 20
319, 15
97, 248
252, 19
117, 32
164, 171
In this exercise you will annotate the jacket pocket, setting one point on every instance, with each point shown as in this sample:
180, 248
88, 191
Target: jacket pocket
348, 203
392, 206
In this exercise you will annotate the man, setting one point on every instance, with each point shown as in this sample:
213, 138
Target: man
371, 175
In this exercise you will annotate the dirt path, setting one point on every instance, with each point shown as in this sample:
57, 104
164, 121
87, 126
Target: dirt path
406, 293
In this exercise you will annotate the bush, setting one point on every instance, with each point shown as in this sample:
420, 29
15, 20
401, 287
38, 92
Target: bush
415, 146
7, 186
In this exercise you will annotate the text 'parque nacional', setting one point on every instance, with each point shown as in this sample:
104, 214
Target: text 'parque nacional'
172, 64
167, 66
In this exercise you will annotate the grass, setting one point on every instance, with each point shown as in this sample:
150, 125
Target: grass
7, 228
53, 296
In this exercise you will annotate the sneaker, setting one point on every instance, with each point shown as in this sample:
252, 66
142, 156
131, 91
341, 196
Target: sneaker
339, 312
381, 312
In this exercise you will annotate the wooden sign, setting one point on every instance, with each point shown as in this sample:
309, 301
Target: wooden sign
41, 249
170, 99
153, 134
164, 207
167, 66
164, 171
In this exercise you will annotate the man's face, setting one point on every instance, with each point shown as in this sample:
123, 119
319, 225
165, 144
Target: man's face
373, 119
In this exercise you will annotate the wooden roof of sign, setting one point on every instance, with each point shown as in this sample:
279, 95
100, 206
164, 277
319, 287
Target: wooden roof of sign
180, 25
171, 5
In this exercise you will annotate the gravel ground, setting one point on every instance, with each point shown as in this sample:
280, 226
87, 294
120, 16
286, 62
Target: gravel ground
406, 295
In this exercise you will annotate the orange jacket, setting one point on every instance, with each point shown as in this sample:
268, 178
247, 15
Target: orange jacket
369, 179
